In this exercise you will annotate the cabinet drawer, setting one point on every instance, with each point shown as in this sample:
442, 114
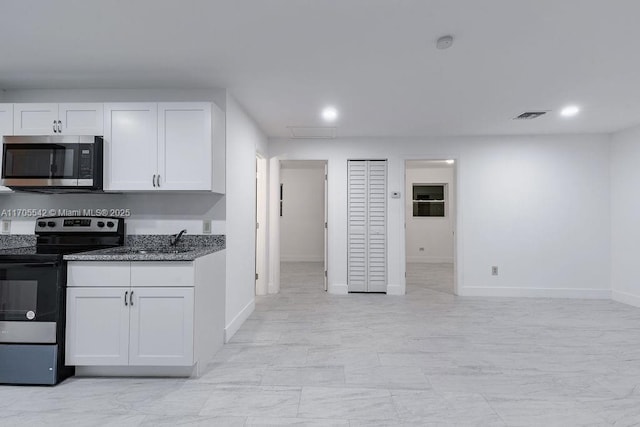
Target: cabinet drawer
162, 273
98, 273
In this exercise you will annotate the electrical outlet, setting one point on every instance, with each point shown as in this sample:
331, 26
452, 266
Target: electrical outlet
206, 226
494, 270
5, 226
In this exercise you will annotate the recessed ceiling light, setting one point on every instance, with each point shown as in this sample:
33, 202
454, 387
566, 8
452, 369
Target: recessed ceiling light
329, 114
570, 111
450, 161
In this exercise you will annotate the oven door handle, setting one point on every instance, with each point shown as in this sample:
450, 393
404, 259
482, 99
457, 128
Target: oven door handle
26, 264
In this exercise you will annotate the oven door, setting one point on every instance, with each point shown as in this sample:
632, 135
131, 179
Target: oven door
30, 295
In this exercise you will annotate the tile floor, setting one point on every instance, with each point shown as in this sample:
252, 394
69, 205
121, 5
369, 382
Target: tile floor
307, 358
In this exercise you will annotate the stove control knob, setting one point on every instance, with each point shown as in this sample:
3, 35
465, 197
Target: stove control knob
51, 223
100, 224
110, 224
42, 224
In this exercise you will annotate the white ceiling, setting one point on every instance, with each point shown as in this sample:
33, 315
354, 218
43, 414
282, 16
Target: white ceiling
375, 60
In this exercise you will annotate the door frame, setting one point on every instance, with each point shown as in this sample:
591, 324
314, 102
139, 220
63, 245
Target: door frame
262, 205
457, 220
274, 221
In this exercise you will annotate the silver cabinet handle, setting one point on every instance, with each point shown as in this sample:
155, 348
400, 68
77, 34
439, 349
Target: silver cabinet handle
59, 126
158, 180
153, 180
131, 299
125, 298
54, 127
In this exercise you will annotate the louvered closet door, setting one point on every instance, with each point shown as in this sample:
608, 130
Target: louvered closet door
367, 225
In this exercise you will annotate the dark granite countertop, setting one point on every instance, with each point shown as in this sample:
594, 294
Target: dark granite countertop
155, 248
130, 253
145, 247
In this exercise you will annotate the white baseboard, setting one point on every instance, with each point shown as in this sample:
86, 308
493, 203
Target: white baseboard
236, 323
338, 289
534, 292
395, 290
626, 298
301, 258
136, 371
429, 259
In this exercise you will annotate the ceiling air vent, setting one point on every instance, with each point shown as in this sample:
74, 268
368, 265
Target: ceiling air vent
313, 132
530, 115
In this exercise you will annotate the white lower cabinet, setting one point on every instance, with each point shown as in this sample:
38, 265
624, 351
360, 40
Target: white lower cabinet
161, 327
148, 322
97, 326
129, 326
145, 318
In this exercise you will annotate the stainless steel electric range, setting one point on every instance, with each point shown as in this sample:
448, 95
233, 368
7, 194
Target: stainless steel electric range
33, 294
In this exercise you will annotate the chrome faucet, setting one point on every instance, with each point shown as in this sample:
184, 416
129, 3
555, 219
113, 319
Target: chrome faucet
176, 238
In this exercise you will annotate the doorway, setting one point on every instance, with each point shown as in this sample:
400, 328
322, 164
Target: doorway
303, 224
430, 219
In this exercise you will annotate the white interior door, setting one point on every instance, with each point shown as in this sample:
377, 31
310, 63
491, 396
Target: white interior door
261, 226
326, 227
366, 200
357, 226
377, 226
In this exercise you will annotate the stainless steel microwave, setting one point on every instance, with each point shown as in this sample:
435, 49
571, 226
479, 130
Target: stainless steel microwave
52, 164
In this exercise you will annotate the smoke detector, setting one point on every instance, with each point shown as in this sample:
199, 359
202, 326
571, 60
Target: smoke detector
444, 42
530, 115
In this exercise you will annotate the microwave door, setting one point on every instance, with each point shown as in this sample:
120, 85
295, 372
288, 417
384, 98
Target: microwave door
40, 165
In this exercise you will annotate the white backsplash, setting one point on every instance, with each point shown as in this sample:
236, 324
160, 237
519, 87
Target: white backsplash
150, 213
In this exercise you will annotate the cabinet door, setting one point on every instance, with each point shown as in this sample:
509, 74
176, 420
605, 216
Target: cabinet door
81, 119
161, 327
185, 146
97, 326
6, 128
131, 146
35, 119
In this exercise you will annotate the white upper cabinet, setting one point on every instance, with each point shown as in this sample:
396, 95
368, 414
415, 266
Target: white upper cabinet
184, 146
159, 147
58, 119
81, 119
6, 128
131, 146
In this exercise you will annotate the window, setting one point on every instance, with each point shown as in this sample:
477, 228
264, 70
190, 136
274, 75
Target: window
429, 199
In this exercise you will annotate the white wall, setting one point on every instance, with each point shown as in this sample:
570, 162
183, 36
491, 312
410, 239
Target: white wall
151, 213
302, 221
433, 234
533, 206
625, 217
244, 139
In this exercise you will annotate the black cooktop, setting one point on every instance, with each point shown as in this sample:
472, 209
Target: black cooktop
58, 236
